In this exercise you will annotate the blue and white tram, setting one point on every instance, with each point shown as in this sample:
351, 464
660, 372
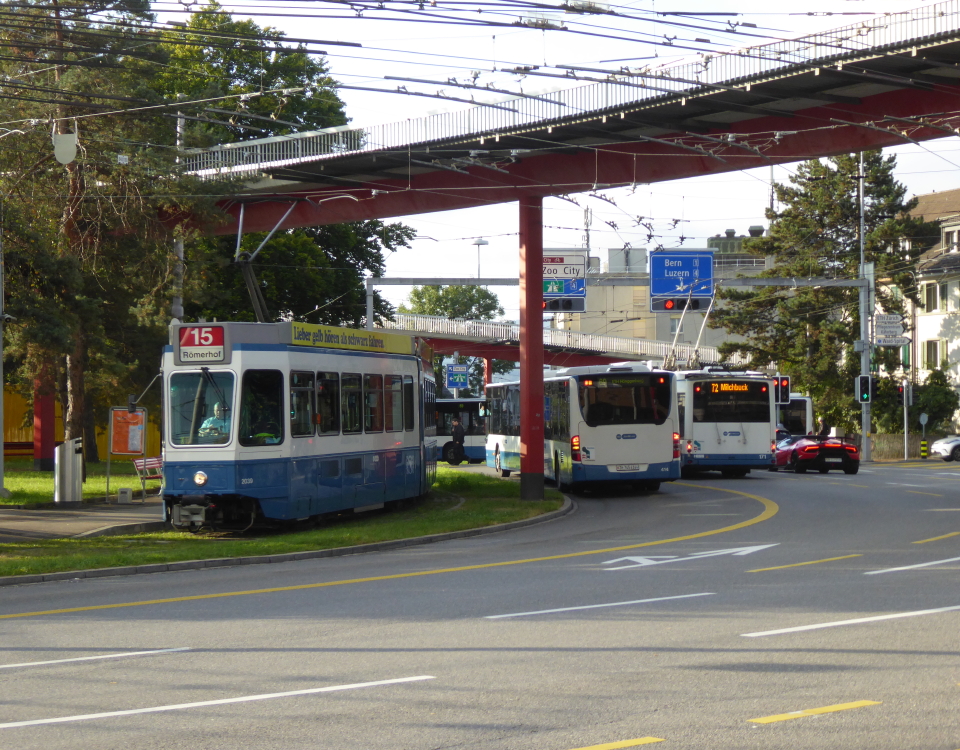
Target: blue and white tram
601, 424
727, 421
285, 421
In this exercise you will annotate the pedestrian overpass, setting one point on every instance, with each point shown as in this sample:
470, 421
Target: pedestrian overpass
492, 340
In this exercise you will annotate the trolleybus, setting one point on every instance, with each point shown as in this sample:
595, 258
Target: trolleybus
472, 413
797, 416
727, 421
615, 423
285, 421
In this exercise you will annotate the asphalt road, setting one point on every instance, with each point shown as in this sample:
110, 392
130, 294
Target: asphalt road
776, 611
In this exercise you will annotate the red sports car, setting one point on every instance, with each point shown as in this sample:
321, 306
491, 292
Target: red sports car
802, 452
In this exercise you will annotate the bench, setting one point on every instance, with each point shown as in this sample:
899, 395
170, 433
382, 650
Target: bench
148, 468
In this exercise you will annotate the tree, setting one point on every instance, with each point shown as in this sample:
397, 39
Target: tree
314, 274
275, 88
809, 331
460, 302
88, 236
938, 400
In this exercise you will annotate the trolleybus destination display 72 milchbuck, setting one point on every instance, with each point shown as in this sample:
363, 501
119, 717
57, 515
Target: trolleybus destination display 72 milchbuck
269, 422
608, 423
728, 421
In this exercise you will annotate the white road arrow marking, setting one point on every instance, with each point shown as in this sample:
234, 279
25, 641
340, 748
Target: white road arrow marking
641, 562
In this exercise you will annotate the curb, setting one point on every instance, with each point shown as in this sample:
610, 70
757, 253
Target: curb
568, 507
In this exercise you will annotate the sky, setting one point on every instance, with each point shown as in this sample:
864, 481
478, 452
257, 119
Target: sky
444, 48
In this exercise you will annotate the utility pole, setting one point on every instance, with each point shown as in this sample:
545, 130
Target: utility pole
4, 492
866, 295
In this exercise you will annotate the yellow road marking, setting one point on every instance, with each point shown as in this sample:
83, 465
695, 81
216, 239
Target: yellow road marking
931, 494
938, 538
813, 712
770, 510
865, 486
624, 743
797, 565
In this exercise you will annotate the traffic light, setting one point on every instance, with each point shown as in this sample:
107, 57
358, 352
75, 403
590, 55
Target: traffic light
671, 304
781, 389
901, 392
864, 385
565, 304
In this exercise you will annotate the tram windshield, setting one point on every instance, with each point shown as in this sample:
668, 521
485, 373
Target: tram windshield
201, 407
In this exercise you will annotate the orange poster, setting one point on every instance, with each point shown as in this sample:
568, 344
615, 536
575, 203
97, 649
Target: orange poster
128, 431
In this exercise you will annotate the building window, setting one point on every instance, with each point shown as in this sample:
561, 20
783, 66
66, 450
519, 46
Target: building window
949, 241
675, 327
931, 354
930, 297
944, 294
905, 355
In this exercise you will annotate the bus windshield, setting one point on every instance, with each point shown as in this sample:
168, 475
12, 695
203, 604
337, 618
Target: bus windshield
472, 416
630, 398
731, 401
201, 407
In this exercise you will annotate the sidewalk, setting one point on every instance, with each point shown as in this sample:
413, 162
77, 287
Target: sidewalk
100, 519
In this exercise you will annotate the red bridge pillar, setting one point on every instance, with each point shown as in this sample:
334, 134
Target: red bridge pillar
531, 348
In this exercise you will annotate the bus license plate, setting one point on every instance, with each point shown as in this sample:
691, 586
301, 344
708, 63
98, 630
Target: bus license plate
834, 460
628, 467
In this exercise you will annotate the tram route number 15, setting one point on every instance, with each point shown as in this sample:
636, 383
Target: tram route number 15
201, 336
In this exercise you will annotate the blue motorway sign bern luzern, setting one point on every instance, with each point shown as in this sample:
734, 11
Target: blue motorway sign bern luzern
457, 376
672, 273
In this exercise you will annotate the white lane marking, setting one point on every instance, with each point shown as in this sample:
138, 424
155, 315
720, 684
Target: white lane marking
642, 562
940, 510
596, 606
221, 702
92, 658
850, 622
911, 567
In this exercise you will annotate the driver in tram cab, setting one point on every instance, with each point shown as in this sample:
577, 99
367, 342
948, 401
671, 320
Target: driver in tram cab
218, 424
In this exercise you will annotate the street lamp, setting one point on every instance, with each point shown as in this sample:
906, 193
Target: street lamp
479, 242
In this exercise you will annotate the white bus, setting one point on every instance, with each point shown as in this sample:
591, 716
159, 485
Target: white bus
472, 413
797, 416
727, 421
616, 423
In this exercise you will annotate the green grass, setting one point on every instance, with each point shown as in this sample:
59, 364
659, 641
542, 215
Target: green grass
460, 500
29, 487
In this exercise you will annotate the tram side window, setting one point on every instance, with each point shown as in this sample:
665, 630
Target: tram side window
301, 404
328, 403
351, 409
261, 407
393, 403
373, 403
430, 406
408, 402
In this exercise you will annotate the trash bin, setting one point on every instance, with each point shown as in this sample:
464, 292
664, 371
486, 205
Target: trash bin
124, 496
68, 471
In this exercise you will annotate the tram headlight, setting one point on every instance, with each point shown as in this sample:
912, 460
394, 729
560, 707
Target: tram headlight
200, 478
